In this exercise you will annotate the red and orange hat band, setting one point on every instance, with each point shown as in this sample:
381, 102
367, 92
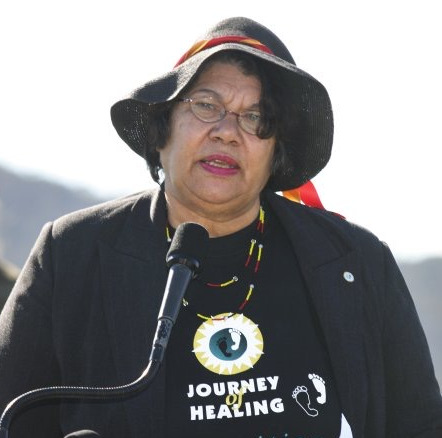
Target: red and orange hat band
205, 44
307, 195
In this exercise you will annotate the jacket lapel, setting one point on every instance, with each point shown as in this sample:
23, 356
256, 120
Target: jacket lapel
330, 266
133, 277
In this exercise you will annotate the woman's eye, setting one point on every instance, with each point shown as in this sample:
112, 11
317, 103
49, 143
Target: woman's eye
206, 110
205, 106
253, 117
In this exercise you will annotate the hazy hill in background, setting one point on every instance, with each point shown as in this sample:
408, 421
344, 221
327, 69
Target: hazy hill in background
26, 203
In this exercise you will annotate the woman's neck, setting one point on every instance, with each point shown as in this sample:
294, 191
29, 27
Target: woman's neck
219, 220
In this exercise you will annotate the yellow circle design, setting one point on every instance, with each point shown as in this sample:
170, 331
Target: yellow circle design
228, 344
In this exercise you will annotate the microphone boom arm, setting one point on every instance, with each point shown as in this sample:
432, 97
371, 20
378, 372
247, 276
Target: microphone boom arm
182, 268
77, 393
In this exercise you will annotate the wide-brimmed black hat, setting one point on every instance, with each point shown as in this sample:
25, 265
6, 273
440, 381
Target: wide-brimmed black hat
310, 150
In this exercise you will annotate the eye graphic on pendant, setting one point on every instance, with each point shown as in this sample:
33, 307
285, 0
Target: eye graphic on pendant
228, 345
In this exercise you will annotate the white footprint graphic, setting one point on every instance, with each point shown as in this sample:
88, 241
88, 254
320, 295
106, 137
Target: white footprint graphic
300, 394
236, 338
319, 385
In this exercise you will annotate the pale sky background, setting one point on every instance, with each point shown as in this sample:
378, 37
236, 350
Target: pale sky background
64, 63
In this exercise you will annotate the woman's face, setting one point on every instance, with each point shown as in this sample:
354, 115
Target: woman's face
217, 163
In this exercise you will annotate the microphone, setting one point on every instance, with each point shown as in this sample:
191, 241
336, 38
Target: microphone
83, 434
189, 246
187, 249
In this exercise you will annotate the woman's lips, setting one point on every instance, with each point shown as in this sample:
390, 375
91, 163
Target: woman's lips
220, 165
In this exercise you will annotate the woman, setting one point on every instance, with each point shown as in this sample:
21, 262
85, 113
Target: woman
299, 323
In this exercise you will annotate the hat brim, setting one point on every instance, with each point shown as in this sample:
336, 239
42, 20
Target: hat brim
308, 154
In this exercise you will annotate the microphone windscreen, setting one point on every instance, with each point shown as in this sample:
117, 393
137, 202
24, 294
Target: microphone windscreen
189, 245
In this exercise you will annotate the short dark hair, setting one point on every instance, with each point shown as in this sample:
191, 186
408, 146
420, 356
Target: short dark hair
275, 106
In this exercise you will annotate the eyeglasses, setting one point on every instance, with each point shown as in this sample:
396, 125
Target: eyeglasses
209, 111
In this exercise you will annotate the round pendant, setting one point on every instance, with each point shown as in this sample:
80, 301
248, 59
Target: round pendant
228, 344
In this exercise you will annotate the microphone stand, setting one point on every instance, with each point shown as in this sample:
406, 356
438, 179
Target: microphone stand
77, 392
182, 268
163, 331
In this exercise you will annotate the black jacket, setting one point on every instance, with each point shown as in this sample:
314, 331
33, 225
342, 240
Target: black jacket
84, 310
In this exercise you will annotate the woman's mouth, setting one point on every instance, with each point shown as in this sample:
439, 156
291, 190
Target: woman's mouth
220, 165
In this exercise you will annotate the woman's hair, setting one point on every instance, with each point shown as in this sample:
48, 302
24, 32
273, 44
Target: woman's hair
276, 106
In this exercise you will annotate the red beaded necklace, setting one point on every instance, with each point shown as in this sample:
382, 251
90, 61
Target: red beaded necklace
254, 253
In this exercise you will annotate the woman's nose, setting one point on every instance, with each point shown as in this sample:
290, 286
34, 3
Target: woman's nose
227, 129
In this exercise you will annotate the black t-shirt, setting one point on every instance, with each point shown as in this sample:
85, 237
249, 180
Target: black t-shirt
259, 370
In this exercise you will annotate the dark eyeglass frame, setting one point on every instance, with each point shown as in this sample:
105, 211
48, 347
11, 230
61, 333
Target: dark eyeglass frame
242, 121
